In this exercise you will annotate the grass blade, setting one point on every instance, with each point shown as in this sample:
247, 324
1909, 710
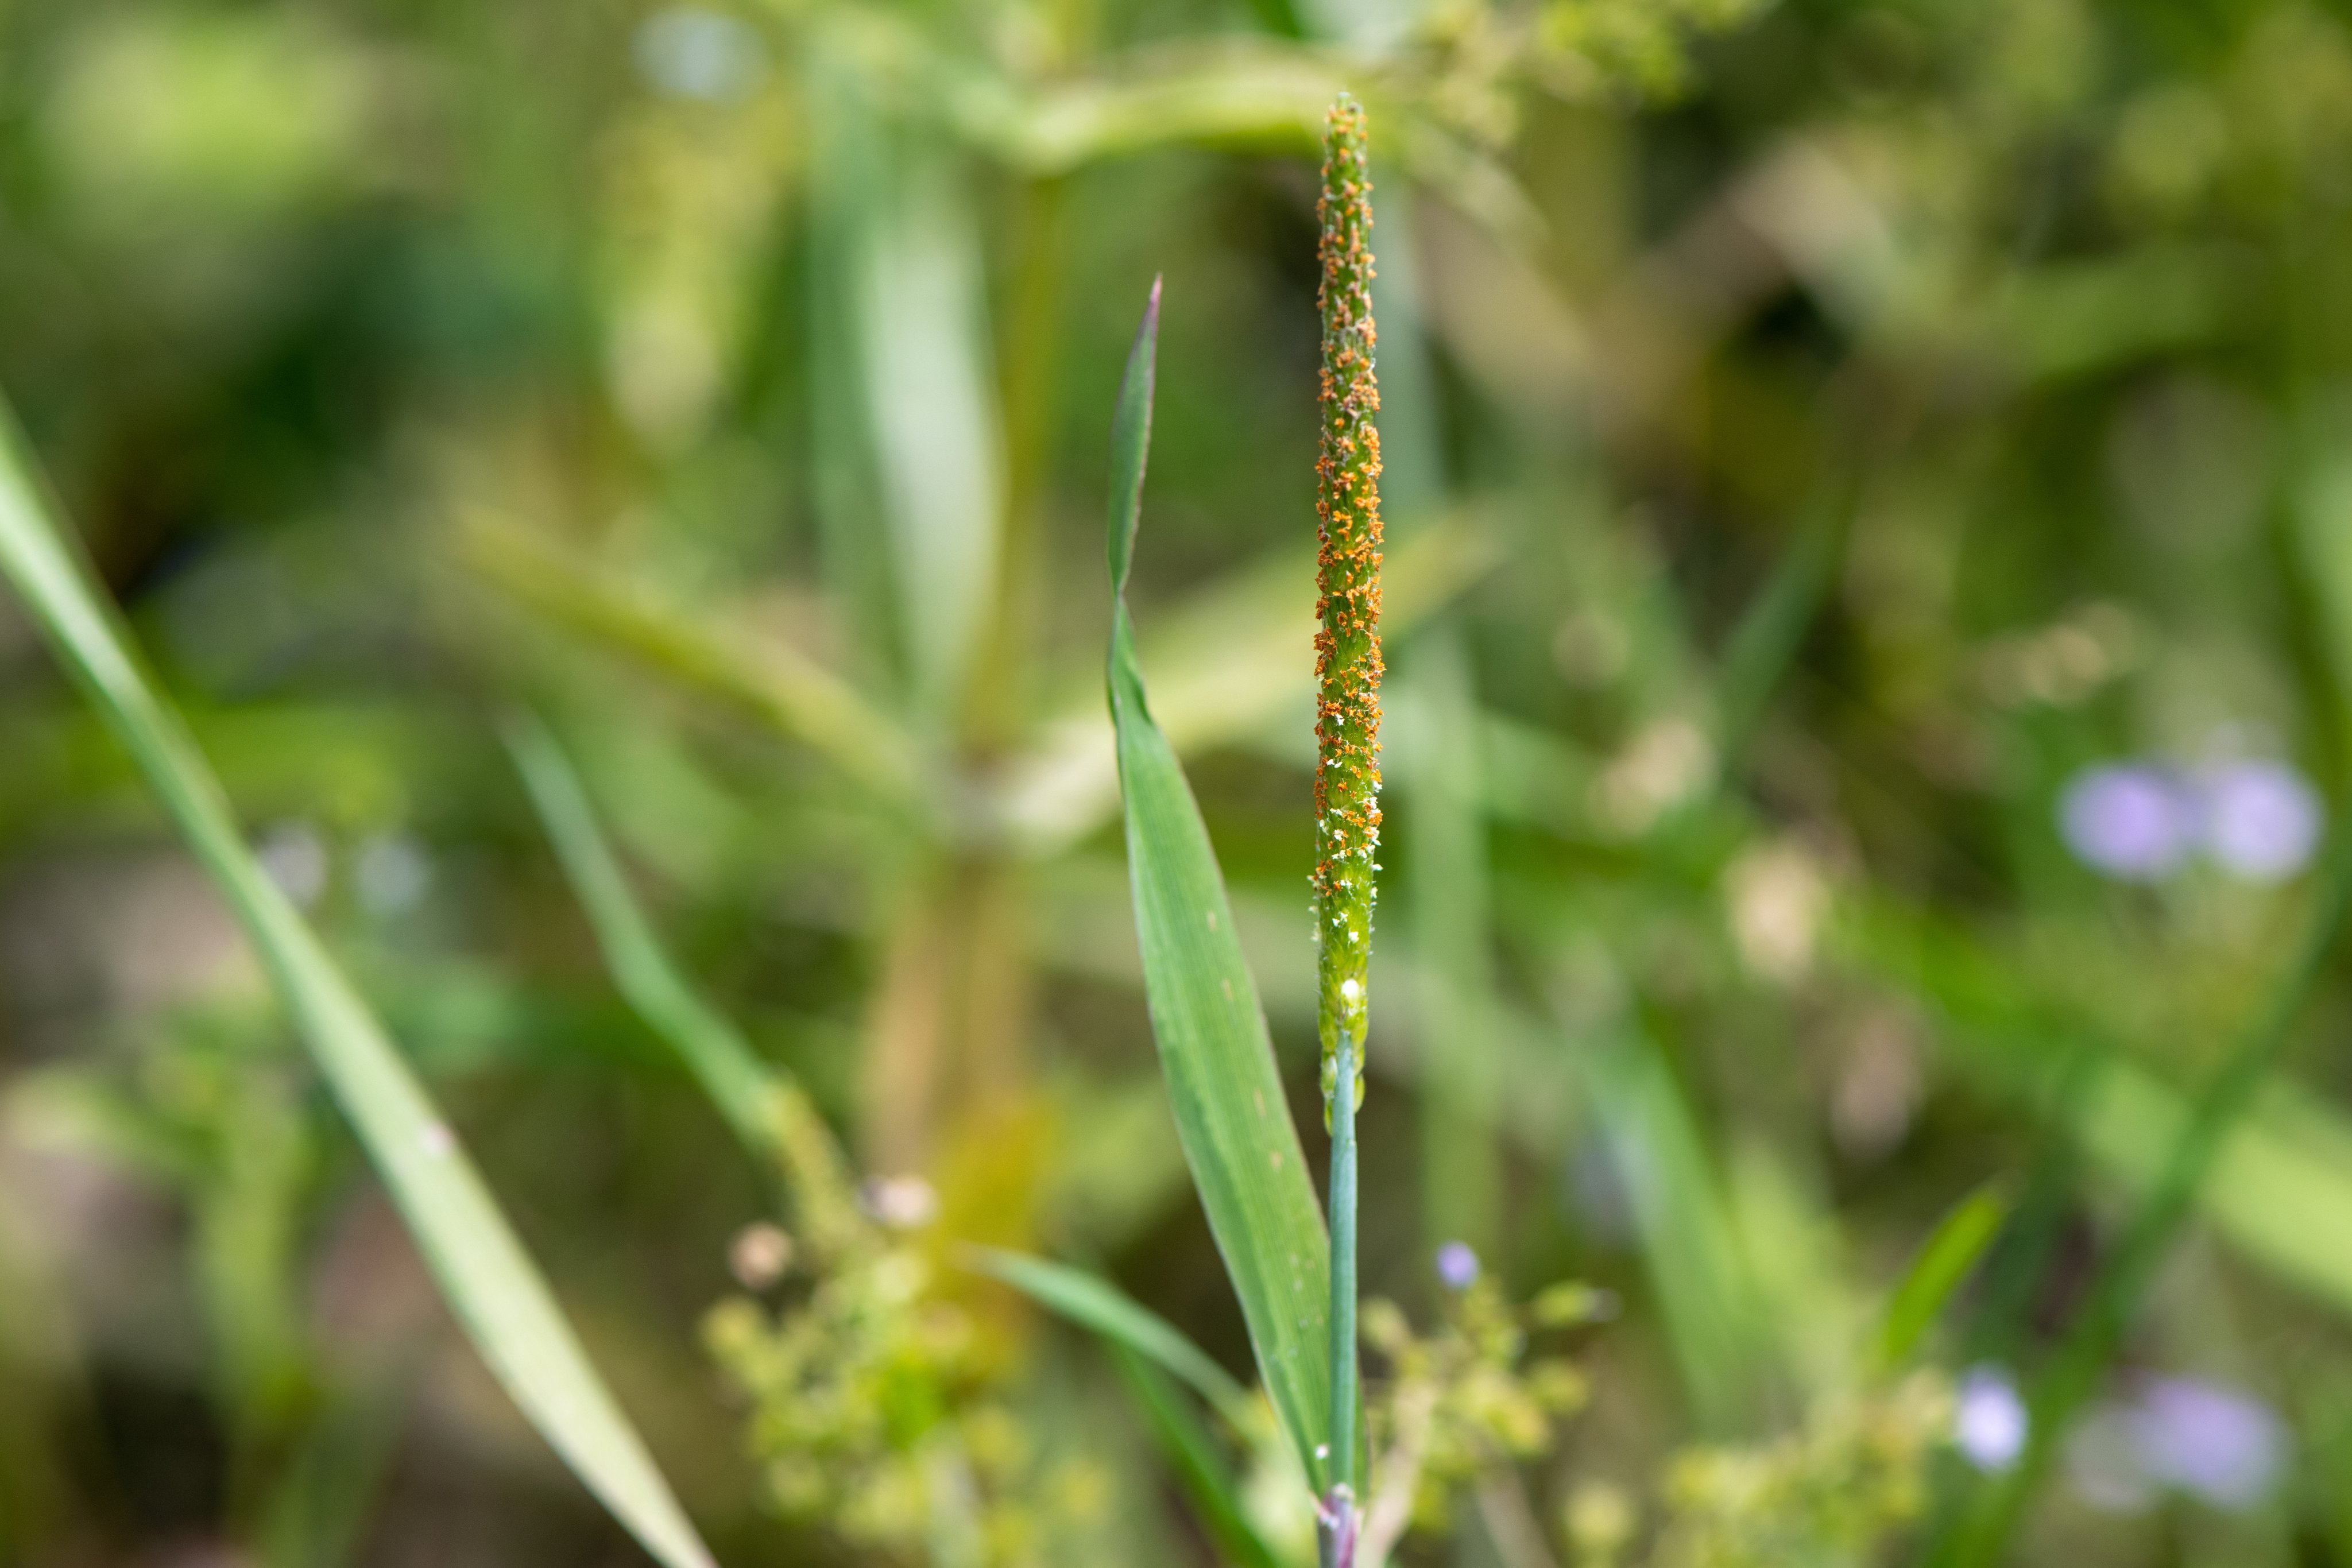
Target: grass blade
1771, 631
767, 1110
1094, 1303
932, 413
1958, 1240
1230, 1115
490, 1282
1461, 1060
1688, 1242
793, 694
739, 1083
1199, 1467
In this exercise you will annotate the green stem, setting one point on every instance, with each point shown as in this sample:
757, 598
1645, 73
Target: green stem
1337, 1534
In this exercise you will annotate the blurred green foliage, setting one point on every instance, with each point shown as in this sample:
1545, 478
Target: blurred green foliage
1817, 432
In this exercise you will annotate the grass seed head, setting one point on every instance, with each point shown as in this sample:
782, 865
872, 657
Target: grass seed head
1348, 557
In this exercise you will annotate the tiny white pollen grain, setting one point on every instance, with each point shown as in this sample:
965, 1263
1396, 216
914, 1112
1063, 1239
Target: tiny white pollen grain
437, 1142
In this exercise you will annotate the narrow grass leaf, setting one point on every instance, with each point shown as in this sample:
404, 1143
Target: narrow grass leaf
1689, 1244
1223, 1085
1201, 1468
1771, 631
932, 410
1960, 1240
1094, 1303
1462, 1073
490, 1282
740, 1085
793, 694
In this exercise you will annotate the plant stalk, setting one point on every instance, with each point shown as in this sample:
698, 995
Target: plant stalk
1336, 1517
1347, 764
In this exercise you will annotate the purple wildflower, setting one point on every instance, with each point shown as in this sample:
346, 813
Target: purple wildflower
2218, 1444
1989, 1420
1457, 1265
2128, 820
2261, 820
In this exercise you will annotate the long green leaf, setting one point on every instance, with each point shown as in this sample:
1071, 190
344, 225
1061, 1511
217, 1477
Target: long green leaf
1771, 629
791, 692
1951, 1251
1213, 1048
1143, 1346
1707, 1295
1199, 1467
740, 1085
768, 1112
1093, 1302
492, 1284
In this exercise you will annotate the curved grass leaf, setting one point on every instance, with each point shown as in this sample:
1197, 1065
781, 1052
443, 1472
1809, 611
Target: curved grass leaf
489, 1280
768, 1111
1144, 1345
1200, 1467
1771, 629
1094, 1303
1707, 1291
739, 1083
1230, 1113
1951, 1250
795, 695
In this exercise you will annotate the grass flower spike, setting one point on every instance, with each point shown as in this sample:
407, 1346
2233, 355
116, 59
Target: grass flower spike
1348, 648
1347, 751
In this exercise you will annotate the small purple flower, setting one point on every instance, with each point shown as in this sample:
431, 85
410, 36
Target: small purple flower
2261, 820
1457, 1265
2219, 1443
2127, 821
1989, 1420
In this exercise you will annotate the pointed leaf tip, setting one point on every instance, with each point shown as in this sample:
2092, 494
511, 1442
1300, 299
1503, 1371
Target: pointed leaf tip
1223, 1086
1130, 440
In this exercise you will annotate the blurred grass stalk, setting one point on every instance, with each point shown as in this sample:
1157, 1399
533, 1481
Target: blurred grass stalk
945, 465
741, 1087
489, 1280
768, 1111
